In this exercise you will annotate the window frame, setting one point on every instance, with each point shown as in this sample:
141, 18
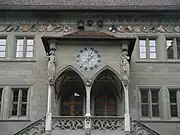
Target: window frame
1, 103
177, 89
149, 88
18, 116
4, 37
25, 38
175, 50
148, 52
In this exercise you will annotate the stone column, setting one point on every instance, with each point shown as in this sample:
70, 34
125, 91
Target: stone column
124, 69
127, 114
88, 111
51, 76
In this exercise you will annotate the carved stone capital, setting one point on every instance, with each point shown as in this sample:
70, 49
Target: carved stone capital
88, 83
52, 44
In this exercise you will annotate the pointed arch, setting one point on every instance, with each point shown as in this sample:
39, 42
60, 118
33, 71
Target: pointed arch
106, 92
62, 77
107, 67
70, 91
69, 67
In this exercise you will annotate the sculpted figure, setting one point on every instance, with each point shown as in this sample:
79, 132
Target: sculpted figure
51, 66
125, 64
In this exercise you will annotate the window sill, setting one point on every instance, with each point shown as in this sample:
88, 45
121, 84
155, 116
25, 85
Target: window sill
14, 119
159, 120
157, 61
18, 60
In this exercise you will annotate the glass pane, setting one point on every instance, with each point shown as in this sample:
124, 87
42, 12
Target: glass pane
2, 48
20, 41
2, 54
0, 94
152, 49
29, 54
174, 111
172, 94
142, 49
19, 48
19, 54
155, 96
15, 95
144, 110
142, 55
14, 110
155, 110
142, 43
178, 48
152, 42
2, 41
144, 96
170, 52
23, 110
30, 41
152, 55
24, 95
29, 48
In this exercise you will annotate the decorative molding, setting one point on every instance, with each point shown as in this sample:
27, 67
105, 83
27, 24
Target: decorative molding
139, 129
145, 28
118, 27
110, 124
66, 124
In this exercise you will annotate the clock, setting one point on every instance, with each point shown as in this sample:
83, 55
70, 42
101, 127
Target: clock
88, 59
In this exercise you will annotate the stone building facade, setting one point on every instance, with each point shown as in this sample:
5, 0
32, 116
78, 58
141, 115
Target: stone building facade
96, 68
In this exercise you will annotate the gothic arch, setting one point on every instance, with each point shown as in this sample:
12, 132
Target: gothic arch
64, 79
69, 67
106, 89
107, 67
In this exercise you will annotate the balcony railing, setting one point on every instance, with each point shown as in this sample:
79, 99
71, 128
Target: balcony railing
107, 123
99, 124
67, 123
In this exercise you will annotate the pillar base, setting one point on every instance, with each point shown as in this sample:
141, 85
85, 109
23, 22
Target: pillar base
127, 123
47, 132
87, 131
48, 122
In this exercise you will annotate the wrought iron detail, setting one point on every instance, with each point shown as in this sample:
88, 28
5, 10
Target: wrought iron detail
111, 124
139, 129
66, 123
36, 128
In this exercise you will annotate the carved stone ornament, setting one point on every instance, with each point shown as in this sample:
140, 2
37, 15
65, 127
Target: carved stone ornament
51, 66
88, 82
124, 67
88, 119
139, 129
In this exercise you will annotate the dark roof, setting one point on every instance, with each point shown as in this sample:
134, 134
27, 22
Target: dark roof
90, 4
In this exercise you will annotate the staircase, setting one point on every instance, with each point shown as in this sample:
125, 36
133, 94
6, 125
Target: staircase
62, 125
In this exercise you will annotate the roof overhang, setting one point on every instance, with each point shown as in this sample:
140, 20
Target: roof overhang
89, 36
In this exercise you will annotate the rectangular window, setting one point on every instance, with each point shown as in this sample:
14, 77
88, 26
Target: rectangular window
2, 47
169, 47
178, 47
1, 90
19, 101
25, 48
152, 48
144, 103
149, 102
147, 48
173, 103
142, 48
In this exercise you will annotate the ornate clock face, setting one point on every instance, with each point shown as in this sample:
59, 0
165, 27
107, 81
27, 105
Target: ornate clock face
88, 59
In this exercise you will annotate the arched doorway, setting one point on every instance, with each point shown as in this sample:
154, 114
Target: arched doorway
71, 94
106, 95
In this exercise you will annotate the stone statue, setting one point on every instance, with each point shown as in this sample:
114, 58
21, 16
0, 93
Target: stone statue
125, 64
51, 66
